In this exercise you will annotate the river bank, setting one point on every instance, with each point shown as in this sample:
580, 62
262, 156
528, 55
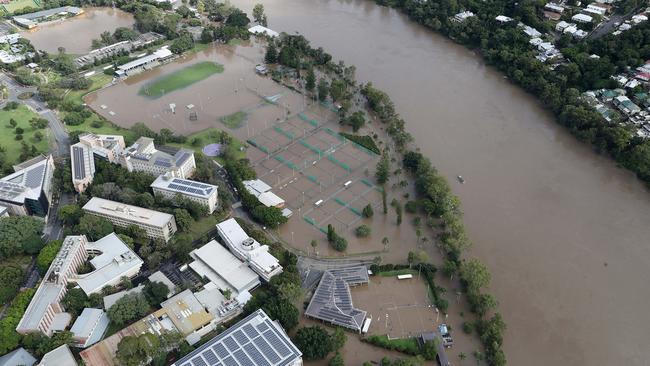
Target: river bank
538, 207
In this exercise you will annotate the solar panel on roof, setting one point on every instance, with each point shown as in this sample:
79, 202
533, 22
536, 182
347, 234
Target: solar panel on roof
210, 356
262, 327
241, 337
277, 344
267, 350
198, 361
221, 350
243, 359
229, 361
255, 355
230, 344
250, 331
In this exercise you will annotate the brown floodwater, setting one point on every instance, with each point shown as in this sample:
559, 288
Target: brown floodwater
564, 231
76, 34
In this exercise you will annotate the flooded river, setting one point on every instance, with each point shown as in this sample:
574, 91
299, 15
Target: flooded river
564, 231
85, 27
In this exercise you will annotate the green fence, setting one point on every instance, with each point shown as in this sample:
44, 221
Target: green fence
287, 134
304, 117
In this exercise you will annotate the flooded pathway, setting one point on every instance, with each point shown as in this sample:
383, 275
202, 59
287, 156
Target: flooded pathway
564, 231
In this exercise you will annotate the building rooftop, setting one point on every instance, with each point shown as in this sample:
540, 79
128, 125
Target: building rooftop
160, 277
90, 325
332, 300
145, 151
247, 247
116, 260
270, 199
255, 340
60, 356
256, 187
186, 312
17, 357
111, 299
184, 186
222, 267
82, 161
258, 29
134, 213
158, 54
27, 181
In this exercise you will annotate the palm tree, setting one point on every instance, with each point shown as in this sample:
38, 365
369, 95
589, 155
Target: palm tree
314, 244
385, 242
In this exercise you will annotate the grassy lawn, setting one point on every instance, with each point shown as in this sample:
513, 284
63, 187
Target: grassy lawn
98, 80
205, 224
8, 141
19, 4
197, 141
234, 120
405, 345
180, 79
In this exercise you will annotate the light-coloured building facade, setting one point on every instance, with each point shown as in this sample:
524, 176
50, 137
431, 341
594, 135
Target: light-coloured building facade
248, 249
107, 147
169, 187
158, 225
144, 157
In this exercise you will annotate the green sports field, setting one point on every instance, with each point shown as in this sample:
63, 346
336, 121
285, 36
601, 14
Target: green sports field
180, 79
19, 4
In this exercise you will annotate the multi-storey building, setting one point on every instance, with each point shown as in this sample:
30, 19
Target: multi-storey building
112, 260
82, 163
248, 249
28, 191
107, 147
202, 193
143, 156
158, 225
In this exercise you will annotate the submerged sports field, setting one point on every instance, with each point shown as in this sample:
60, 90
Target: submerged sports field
180, 79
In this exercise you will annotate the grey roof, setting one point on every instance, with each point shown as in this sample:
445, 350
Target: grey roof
184, 186
110, 300
60, 356
50, 12
332, 300
256, 341
90, 325
127, 212
17, 357
26, 182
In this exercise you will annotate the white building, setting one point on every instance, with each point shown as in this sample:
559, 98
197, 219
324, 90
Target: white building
223, 269
554, 8
582, 18
503, 19
596, 9
143, 156
83, 166
60, 356
262, 192
202, 193
145, 62
248, 249
113, 261
17, 357
639, 18
10, 38
28, 191
258, 29
158, 225
107, 147
89, 328
460, 17
257, 335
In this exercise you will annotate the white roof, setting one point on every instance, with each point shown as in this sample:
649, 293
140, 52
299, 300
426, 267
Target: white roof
225, 265
116, 260
258, 29
158, 54
256, 187
84, 326
111, 299
132, 213
270, 199
503, 18
60, 356
17, 357
582, 18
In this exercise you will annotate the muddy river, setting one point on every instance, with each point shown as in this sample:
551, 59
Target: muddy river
87, 26
564, 231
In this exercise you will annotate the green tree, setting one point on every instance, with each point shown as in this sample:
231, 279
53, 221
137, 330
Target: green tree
314, 342
383, 168
417, 257
258, 14
340, 244
368, 211
137, 350
156, 292
337, 360
183, 218
356, 120
338, 338
129, 308
323, 90
11, 277
47, 255
283, 311
15, 231
310, 80
13, 123
338, 88
474, 274
271, 55
314, 244
430, 349
74, 301
362, 231
94, 227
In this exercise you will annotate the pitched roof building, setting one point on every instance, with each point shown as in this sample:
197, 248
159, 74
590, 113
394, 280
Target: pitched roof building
17, 357
60, 356
89, 327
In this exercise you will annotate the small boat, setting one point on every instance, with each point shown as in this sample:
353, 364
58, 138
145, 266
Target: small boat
461, 179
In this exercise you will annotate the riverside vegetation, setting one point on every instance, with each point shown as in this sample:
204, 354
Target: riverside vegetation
435, 199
